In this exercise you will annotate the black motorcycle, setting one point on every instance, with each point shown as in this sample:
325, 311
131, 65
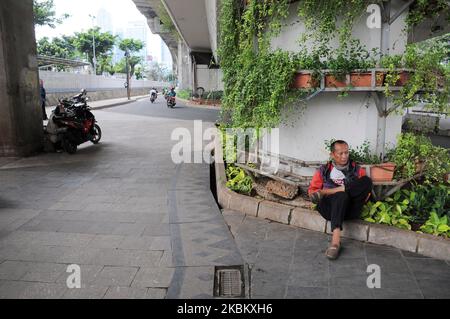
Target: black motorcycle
72, 124
153, 97
171, 102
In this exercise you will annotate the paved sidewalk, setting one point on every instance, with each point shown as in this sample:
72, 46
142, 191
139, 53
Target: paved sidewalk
289, 262
138, 225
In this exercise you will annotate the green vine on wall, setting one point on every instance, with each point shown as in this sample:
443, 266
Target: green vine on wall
258, 79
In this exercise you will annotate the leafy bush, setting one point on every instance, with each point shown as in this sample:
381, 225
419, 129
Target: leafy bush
238, 180
413, 150
437, 226
184, 94
422, 204
386, 213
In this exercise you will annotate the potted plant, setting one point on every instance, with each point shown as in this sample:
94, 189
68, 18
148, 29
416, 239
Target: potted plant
310, 70
375, 168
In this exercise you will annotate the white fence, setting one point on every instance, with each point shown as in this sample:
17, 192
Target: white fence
72, 82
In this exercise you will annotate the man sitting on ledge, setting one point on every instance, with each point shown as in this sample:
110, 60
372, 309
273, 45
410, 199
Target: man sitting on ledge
340, 189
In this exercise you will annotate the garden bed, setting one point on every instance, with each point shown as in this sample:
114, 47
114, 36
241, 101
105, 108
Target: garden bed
299, 213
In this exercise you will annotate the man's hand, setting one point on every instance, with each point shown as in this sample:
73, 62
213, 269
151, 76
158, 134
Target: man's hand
332, 191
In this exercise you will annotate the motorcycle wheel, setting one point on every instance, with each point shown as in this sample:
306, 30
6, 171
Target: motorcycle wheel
68, 146
97, 136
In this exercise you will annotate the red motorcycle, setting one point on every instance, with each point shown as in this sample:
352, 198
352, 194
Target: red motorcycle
72, 124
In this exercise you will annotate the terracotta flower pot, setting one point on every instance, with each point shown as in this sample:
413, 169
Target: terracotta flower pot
304, 81
358, 79
382, 172
404, 77
332, 82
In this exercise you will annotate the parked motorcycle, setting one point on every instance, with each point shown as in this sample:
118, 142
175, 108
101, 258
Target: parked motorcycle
72, 124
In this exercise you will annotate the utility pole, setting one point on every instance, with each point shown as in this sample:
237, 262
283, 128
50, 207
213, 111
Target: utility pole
127, 56
94, 60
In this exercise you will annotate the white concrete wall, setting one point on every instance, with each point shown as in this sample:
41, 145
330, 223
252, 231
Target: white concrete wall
62, 81
209, 79
371, 38
353, 119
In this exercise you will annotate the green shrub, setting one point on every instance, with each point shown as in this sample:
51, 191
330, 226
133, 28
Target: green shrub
437, 226
413, 150
238, 180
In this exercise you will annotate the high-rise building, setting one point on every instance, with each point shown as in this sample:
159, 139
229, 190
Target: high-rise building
138, 30
104, 20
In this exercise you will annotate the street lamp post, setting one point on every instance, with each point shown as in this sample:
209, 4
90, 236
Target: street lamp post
127, 55
94, 60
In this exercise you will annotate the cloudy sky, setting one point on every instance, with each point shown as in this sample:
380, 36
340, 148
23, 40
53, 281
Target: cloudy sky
122, 11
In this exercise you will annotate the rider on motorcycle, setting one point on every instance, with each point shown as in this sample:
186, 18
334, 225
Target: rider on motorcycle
153, 93
172, 92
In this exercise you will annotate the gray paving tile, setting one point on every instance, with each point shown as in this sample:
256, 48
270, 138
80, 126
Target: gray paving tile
391, 293
43, 272
350, 293
295, 292
435, 288
137, 242
116, 276
13, 270
27, 290
153, 278
130, 258
268, 290
129, 229
161, 243
156, 293
126, 293
106, 241
424, 268
87, 292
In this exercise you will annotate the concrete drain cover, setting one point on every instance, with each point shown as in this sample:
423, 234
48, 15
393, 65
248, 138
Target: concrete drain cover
229, 282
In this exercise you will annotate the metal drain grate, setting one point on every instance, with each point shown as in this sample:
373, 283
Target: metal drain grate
229, 282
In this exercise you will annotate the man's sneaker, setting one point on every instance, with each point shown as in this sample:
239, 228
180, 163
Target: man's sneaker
316, 197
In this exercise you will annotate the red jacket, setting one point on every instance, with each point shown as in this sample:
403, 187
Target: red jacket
317, 182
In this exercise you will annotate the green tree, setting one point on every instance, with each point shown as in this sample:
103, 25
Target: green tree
58, 48
45, 15
104, 43
132, 45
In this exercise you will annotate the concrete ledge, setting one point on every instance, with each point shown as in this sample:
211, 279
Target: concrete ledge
353, 229
308, 219
424, 244
276, 212
391, 236
432, 246
245, 204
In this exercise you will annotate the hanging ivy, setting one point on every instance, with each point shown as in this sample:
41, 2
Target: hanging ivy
257, 79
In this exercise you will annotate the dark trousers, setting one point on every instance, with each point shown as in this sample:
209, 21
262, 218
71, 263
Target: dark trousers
44, 114
345, 205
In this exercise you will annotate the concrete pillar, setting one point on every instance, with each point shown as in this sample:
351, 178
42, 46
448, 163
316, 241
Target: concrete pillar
21, 132
184, 67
